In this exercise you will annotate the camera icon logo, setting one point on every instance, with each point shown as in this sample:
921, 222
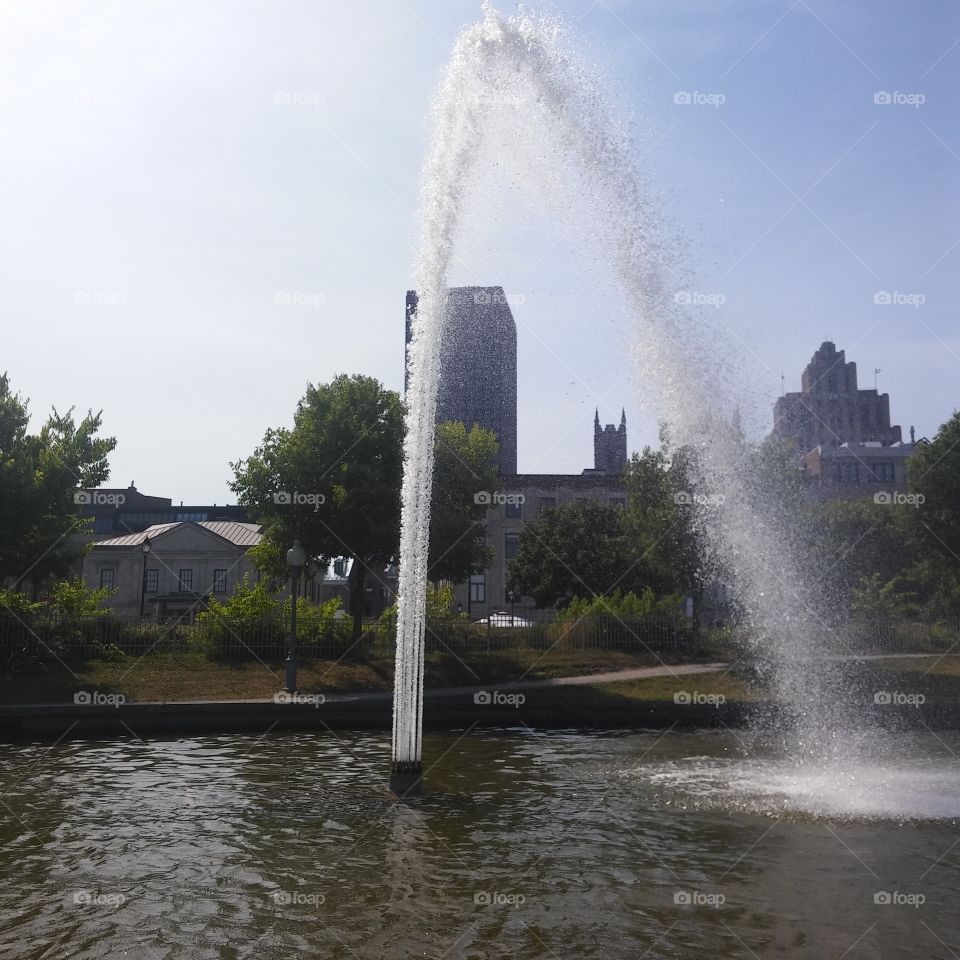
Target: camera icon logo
883, 497
882, 97
682, 898
283, 497
82, 697
883, 696
683, 97
482, 697
482, 898
681, 696
482, 498
282, 899
82, 497
882, 897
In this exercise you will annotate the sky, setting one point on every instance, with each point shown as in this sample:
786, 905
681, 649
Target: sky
208, 205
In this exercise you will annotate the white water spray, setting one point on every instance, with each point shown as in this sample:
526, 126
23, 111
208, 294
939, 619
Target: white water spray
520, 61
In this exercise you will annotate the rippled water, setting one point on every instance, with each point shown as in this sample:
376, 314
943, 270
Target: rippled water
525, 845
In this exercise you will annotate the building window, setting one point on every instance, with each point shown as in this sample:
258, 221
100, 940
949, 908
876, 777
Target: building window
185, 580
219, 581
511, 510
511, 545
106, 578
478, 588
546, 503
883, 472
152, 581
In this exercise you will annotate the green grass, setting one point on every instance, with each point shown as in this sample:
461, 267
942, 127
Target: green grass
194, 676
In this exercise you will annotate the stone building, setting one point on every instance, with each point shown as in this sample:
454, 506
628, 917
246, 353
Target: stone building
846, 445
478, 365
117, 511
170, 570
610, 446
854, 470
831, 409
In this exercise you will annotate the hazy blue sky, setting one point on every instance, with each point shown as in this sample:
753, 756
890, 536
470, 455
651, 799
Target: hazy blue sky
207, 205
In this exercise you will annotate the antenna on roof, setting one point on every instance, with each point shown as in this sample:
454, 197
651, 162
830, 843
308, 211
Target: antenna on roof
876, 370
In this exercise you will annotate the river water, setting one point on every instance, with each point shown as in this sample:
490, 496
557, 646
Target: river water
526, 845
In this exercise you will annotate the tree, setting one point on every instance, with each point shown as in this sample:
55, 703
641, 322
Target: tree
464, 466
40, 475
934, 475
577, 549
659, 521
332, 481
856, 548
933, 515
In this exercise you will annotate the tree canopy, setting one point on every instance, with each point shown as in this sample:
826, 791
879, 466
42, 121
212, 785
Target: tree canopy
40, 477
333, 481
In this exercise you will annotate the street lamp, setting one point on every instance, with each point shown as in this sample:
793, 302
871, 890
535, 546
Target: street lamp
143, 585
511, 596
296, 559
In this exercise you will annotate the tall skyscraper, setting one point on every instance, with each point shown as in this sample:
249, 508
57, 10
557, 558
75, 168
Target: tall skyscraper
830, 409
478, 365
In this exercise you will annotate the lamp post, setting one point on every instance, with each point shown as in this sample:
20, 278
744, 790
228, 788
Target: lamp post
143, 583
296, 558
511, 596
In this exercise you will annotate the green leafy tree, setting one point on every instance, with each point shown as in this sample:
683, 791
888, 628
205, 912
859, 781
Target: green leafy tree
855, 548
934, 474
331, 481
577, 549
659, 522
932, 521
464, 466
40, 475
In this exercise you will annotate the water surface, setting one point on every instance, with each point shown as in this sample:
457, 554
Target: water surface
526, 845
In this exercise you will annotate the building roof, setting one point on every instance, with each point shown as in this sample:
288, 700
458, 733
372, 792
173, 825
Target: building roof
239, 534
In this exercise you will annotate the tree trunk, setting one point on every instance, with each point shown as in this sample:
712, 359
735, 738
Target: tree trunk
357, 584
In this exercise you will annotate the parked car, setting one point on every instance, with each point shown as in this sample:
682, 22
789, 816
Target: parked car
503, 619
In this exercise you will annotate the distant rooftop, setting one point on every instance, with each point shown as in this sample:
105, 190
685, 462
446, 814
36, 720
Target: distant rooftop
239, 534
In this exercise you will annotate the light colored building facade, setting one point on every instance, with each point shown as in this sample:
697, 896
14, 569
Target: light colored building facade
170, 570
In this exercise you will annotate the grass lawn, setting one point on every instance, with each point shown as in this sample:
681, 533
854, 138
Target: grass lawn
193, 676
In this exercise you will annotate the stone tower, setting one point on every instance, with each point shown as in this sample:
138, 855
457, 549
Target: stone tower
610, 445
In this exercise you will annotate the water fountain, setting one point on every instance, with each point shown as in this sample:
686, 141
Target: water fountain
521, 60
